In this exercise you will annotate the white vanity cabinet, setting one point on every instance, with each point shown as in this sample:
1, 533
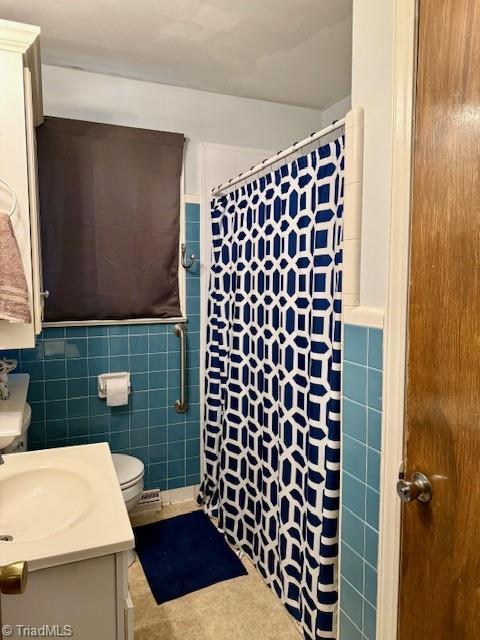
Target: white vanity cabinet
20, 112
90, 598
73, 531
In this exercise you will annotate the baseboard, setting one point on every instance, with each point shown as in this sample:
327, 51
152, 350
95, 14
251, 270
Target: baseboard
168, 497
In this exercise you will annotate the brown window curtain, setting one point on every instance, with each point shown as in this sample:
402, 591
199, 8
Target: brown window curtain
109, 209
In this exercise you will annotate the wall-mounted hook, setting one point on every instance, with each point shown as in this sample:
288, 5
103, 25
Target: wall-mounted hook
184, 262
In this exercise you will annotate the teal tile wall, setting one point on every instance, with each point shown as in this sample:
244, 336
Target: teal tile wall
362, 416
66, 409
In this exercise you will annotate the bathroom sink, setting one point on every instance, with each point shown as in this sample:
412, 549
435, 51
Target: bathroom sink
61, 505
53, 499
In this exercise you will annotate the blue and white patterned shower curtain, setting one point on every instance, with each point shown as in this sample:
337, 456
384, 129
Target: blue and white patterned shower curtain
273, 379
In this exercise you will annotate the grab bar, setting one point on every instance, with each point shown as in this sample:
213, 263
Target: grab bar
180, 330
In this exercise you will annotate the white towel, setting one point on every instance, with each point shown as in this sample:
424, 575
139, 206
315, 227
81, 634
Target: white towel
14, 305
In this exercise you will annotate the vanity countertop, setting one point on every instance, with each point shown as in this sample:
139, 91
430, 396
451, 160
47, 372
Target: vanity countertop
61, 505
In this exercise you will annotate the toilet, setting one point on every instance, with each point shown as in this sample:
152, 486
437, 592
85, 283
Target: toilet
130, 472
21, 441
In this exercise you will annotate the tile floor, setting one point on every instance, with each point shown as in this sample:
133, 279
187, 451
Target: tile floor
240, 609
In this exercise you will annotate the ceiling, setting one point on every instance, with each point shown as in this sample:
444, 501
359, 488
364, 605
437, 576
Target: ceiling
291, 51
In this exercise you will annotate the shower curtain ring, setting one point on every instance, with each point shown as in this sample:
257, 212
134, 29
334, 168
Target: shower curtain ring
184, 262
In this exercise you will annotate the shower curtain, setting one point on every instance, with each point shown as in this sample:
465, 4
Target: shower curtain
273, 379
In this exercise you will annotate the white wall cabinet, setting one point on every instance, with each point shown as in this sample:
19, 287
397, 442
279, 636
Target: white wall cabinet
20, 112
90, 598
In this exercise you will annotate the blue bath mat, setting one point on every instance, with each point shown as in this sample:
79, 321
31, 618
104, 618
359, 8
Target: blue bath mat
183, 554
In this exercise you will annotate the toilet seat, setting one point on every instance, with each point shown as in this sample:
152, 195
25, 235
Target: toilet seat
129, 469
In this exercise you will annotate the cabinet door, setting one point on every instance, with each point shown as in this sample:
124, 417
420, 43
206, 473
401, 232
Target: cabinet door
14, 169
80, 595
37, 280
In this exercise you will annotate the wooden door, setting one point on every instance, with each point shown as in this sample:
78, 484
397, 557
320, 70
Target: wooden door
440, 562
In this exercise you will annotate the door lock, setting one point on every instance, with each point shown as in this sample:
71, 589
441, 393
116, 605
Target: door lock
417, 489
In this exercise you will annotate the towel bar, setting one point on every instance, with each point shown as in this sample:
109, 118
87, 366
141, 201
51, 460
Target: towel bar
180, 330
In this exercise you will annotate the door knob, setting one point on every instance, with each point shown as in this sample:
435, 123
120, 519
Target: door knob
13, 578
417, 489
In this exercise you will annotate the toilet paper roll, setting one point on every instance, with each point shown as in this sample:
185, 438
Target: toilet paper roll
117, 391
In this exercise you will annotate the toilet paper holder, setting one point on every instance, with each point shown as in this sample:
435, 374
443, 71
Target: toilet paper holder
102, 382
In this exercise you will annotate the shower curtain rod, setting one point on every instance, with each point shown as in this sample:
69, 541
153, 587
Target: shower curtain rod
279, 156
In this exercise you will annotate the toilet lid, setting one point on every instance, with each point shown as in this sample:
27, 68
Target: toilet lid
128, 468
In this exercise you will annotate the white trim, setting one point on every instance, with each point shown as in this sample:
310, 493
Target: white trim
372, 317
25, 40
396, 319
182, 273
192, 198
17, 36
167, 497
35, 242
205, 249
93, 323
176, 496
352, 218
340, 506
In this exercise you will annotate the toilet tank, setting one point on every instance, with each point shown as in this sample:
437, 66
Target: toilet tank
21, 442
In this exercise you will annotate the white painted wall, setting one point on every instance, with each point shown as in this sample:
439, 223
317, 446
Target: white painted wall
200, 115
372, 88
337, 111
